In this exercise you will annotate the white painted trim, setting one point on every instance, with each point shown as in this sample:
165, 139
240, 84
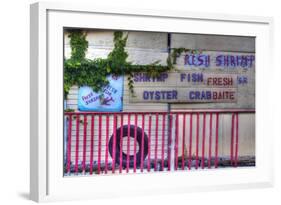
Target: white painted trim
38, 104
39, 139
92, 8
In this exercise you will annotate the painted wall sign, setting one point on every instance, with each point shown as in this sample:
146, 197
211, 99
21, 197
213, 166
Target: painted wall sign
186, 79
206, 77
217, 60
186, 95
109, 100
185, 87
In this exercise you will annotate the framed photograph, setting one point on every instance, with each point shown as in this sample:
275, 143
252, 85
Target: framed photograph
127, 102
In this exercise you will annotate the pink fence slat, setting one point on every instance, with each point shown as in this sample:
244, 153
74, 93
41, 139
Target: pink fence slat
149, 143
84, 143
135, 142
121, 146
197, 141
203, 142
92, 143
69, 143
176, 141
156, 142
163, 141
106, 143
210, 140
183, 142
170, 140
232, 139
128, 144
217, 140
142, 141
114, 142
190, 143
77, 143
237, 138
99, 143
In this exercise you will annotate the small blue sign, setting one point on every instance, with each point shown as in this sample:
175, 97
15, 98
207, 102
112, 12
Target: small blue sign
109, 100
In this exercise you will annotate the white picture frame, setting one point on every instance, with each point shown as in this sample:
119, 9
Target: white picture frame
47, 21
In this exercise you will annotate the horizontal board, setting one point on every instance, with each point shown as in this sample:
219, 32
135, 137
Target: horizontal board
187, 79
139, 39
213, 42
187, 95
135, 55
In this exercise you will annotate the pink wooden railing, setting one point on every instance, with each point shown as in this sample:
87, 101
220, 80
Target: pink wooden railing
97, 142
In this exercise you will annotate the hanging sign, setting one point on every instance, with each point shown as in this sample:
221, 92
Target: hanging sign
109, 100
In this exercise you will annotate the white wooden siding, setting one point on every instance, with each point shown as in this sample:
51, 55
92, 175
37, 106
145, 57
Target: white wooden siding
145, 48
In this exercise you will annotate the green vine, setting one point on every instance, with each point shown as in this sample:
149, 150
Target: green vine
79, 45
78, 70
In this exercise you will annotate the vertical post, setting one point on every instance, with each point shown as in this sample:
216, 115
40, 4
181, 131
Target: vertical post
172, 142
77, 143
65, 135
128, 143
203, 142
121, 147
99, 143
106, 143
142, 141
190, 142
135, 142
84, 143
210, 140
163, 140
170, 117
232, 140
92, 144
237, 138
114, 142
149, 143
217, 140
169, 42
197, 140
183, 141
176, 141
156, 143
69, 143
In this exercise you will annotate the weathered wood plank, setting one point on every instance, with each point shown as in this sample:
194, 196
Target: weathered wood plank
213, 42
